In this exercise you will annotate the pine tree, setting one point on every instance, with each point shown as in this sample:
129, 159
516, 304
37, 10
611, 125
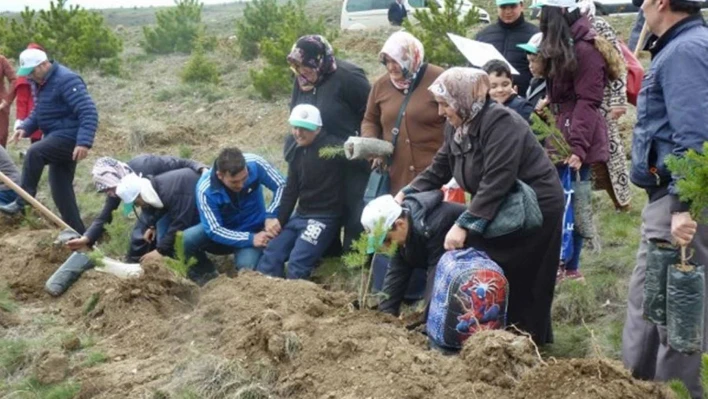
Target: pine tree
545, 129
432, 29
177, 29
692, 173
180, 264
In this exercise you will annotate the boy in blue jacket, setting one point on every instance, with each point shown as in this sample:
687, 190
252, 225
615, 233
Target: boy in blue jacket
67, 115
232, 211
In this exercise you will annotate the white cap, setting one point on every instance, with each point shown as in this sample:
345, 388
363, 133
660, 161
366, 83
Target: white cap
379, 213
132, 185
571, 5
29, 59
306, 116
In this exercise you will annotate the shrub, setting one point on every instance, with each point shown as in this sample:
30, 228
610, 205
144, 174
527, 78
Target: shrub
177, 30
433, 27
260, 20
73, 35
692, 172
276, 77
199, 69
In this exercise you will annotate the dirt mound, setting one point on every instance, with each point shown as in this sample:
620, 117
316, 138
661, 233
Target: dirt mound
586, 379
29, 258
499, 358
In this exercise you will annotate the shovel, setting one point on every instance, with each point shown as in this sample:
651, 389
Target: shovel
78, 262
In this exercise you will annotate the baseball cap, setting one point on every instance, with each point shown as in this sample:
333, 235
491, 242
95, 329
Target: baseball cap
306, 116
128, 190
571, 5
377, 218
533, 44
29, 59
508, 2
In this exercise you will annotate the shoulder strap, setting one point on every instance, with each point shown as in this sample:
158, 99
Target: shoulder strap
402, 111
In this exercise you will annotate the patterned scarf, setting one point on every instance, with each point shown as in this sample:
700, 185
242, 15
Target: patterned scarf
312, 51
465, 90
408, 52
108, 172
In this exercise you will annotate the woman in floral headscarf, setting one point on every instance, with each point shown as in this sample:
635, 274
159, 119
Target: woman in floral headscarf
420, 133
106, 174
339, 89
487, 149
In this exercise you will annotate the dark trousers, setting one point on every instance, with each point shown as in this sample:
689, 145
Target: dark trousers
57, 152
302, 243
138, 246
357, 176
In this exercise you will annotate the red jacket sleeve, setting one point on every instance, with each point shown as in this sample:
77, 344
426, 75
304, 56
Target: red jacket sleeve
24, 101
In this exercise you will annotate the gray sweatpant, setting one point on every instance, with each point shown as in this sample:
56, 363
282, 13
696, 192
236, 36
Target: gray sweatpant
644, 347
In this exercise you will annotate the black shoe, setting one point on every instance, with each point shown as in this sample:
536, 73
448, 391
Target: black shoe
12, 208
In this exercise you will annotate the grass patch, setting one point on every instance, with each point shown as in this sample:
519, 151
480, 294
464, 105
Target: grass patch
14, 355
91, 303
30, 388
7, 303
574, 302
94, 358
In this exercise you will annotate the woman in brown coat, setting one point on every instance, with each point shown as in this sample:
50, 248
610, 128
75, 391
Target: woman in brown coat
421, 129
7, 96
487, 149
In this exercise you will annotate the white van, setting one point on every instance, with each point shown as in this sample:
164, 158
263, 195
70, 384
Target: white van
373, 14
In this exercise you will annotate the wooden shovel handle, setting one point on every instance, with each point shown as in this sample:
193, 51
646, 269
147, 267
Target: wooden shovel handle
32, 201
642, 38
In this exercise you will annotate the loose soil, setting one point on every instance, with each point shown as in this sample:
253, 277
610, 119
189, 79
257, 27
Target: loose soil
254, 335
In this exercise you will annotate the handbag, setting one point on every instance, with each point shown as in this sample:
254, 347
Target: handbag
519, 212
379, 180
582, 207
567, 240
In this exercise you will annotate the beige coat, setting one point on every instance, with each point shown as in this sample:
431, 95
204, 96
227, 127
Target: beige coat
421, 132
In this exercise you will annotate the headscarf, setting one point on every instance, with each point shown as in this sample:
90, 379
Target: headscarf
408, 52
312, 51
587, 7
108, 172
465, 90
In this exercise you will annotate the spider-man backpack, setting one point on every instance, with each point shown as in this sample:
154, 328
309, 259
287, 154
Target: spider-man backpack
470, 294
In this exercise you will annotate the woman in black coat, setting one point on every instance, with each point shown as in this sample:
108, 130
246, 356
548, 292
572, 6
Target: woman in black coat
340, 90
487, 149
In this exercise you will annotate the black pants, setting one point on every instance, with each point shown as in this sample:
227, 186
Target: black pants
57, 152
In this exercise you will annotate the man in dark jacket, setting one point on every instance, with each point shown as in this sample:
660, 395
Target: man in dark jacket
511, 29
316, 184
418, 228
397, 13
170, 197
67, 115
107, 173
678, 72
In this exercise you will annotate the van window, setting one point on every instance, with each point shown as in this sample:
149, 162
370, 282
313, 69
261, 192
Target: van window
367, 5
417, 3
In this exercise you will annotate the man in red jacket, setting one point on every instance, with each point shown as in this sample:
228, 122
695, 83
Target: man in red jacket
24, 102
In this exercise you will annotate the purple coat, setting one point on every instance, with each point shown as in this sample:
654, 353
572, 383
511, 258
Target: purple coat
576, 98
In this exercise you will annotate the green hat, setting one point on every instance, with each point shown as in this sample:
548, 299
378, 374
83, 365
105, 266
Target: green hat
508, 2
533, 44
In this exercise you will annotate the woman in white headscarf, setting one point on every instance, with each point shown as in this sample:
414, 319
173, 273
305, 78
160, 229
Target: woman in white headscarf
487, 149
612, 176
420, 132
107, 173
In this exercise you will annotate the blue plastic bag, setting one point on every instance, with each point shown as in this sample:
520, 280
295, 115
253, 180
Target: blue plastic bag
566, 253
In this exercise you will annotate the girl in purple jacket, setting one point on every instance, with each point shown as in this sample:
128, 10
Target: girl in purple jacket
576, 73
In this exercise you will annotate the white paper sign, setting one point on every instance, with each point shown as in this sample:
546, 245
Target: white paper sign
478, 53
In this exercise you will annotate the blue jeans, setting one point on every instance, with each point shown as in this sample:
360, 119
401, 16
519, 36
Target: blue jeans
7, 196
301, 243
574, 263
197, 244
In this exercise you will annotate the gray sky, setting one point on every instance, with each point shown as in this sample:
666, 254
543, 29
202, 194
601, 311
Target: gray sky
19, 5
